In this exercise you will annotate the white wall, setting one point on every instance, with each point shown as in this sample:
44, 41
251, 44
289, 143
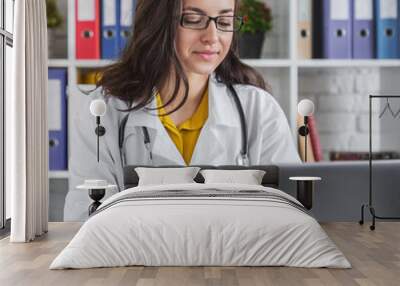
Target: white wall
341, 96
390, 85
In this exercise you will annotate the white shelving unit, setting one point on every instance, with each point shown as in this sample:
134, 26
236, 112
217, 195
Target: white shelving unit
326, 63
58, 174
280, 64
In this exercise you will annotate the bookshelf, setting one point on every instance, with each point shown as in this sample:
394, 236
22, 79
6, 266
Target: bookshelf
58, 174
279, 64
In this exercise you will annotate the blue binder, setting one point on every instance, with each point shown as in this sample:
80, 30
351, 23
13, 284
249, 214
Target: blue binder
387, 35
57, 118
127, 19
363, 29
110, 17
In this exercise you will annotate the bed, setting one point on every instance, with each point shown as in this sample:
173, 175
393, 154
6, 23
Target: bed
201, 224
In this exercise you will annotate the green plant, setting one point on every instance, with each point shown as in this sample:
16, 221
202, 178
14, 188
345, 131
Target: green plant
54, 19
256, 16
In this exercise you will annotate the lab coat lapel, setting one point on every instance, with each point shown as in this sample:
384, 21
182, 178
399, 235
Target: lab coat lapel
218, 141
163, 148
214, 145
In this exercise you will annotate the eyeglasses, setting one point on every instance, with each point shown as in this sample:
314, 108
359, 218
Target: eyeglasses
200, 22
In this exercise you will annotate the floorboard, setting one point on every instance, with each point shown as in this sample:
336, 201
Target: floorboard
374, 255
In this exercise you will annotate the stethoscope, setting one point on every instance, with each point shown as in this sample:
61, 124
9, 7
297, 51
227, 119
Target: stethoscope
242, 158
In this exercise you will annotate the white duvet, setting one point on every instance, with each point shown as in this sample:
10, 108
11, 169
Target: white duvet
184, 231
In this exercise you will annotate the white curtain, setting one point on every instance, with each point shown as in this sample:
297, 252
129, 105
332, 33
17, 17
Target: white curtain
26, 124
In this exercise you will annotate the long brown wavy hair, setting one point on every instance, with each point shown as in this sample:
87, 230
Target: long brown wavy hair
150, 54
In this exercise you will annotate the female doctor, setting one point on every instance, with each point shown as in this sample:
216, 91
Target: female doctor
174, 81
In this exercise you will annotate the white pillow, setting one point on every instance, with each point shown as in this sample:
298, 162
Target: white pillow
248, 177
162, 176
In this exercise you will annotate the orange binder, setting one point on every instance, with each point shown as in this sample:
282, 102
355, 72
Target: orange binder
87, 17
304, 29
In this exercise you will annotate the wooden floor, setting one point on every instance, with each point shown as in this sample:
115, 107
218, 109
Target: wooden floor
374, 255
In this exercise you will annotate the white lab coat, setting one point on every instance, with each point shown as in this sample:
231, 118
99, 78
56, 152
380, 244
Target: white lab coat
269, 140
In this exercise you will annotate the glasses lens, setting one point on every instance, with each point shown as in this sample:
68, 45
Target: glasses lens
229, 23
199, 22
194, 21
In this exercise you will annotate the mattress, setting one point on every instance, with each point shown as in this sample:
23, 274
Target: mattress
201, 225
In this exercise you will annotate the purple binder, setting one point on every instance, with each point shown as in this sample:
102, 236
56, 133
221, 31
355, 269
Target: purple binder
57, 104
363, 29
333, 28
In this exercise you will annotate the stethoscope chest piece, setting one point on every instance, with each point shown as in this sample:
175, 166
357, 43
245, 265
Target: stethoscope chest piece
243, 160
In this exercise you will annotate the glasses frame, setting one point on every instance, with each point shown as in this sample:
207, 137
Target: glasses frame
215, 19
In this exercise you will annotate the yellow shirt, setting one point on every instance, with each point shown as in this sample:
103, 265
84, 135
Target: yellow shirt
186, 134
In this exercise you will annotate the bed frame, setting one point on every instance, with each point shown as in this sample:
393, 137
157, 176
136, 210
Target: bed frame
270, 179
